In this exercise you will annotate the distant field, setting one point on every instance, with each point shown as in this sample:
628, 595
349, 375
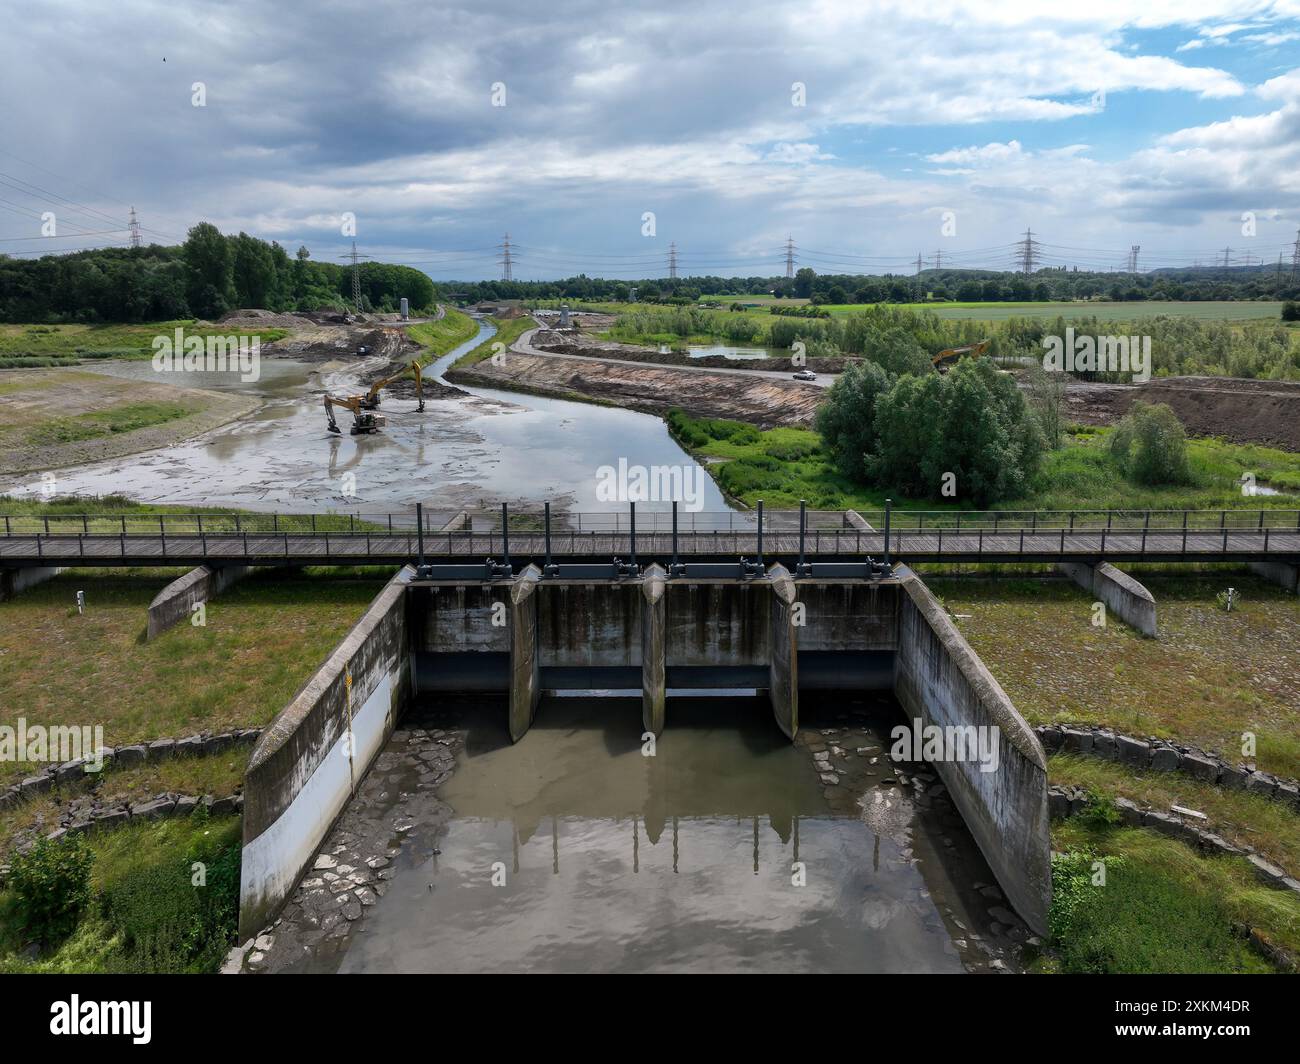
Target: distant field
1226, 310
51, 345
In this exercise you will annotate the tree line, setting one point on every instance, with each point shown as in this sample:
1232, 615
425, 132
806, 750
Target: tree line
208, 275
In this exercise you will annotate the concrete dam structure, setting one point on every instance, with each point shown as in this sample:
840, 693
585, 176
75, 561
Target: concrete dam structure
528, 633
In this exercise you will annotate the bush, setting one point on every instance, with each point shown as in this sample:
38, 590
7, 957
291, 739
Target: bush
1291, 310
169, 924
1150, 445
51, 885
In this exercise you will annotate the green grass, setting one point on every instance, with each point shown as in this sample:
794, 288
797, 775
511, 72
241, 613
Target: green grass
263, 637
439, 337
117, 513
782, 466
1271, 827
1163, 908
508, 331
146, 913
48, 345
100, 423
953, 310
1210, 677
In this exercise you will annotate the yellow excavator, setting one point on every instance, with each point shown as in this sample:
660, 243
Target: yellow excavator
949, 357
364, 421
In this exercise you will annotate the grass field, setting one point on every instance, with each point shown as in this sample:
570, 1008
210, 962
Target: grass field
508, 331
1224, 310
1163, 908
784, 465
1265, 825
59, 345
1210, 676
440, 336
262, 639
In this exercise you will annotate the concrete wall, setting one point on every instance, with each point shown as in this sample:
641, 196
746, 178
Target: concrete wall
14, 581
308, 762
174, 603
1280, 573
940, 681
1125, 597
783, 659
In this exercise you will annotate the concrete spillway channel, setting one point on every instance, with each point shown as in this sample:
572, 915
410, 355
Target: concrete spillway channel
513, 639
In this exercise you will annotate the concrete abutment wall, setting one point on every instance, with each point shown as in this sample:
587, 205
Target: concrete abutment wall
177, 600
1125, 597
15, 581
941, 682
308, 762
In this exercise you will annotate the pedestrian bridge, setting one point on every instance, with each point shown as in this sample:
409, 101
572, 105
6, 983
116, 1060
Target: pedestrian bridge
637, 536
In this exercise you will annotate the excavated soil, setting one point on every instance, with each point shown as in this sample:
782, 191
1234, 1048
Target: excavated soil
766, 402
1241, 411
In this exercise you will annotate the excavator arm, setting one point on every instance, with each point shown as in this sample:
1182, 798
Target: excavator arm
370, 401
945, 359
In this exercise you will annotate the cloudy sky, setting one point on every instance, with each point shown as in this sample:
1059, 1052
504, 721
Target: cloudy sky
857, 127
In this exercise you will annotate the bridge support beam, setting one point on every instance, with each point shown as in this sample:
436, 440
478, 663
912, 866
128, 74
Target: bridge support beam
783, 669
1280, 573
653, 647
13, 581
1125, 597
525, 684
177, 600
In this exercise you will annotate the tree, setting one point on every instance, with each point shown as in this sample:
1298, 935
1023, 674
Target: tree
208, 271
803, 282
1047, 400
846, 419
1150, 445
971, 430
897, 351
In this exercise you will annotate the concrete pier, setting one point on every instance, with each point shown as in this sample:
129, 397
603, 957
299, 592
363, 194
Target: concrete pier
525, 689
1280, 573
783, 668
654, 684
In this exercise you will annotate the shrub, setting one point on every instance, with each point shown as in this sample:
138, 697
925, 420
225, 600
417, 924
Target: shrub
1150, 445
167, 922
1291, 310
51, 883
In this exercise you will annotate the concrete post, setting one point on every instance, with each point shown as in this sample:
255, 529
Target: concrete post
653, 639
525, 688
783, 669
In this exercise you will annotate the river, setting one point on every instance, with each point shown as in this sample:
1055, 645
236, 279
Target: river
480, 450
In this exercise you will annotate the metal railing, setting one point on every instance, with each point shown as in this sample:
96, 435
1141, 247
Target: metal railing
662, 533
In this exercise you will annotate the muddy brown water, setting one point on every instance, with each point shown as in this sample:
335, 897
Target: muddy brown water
572, 851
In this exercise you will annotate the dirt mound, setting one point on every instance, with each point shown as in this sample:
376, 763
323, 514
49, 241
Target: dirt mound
1239, 410
252, 318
